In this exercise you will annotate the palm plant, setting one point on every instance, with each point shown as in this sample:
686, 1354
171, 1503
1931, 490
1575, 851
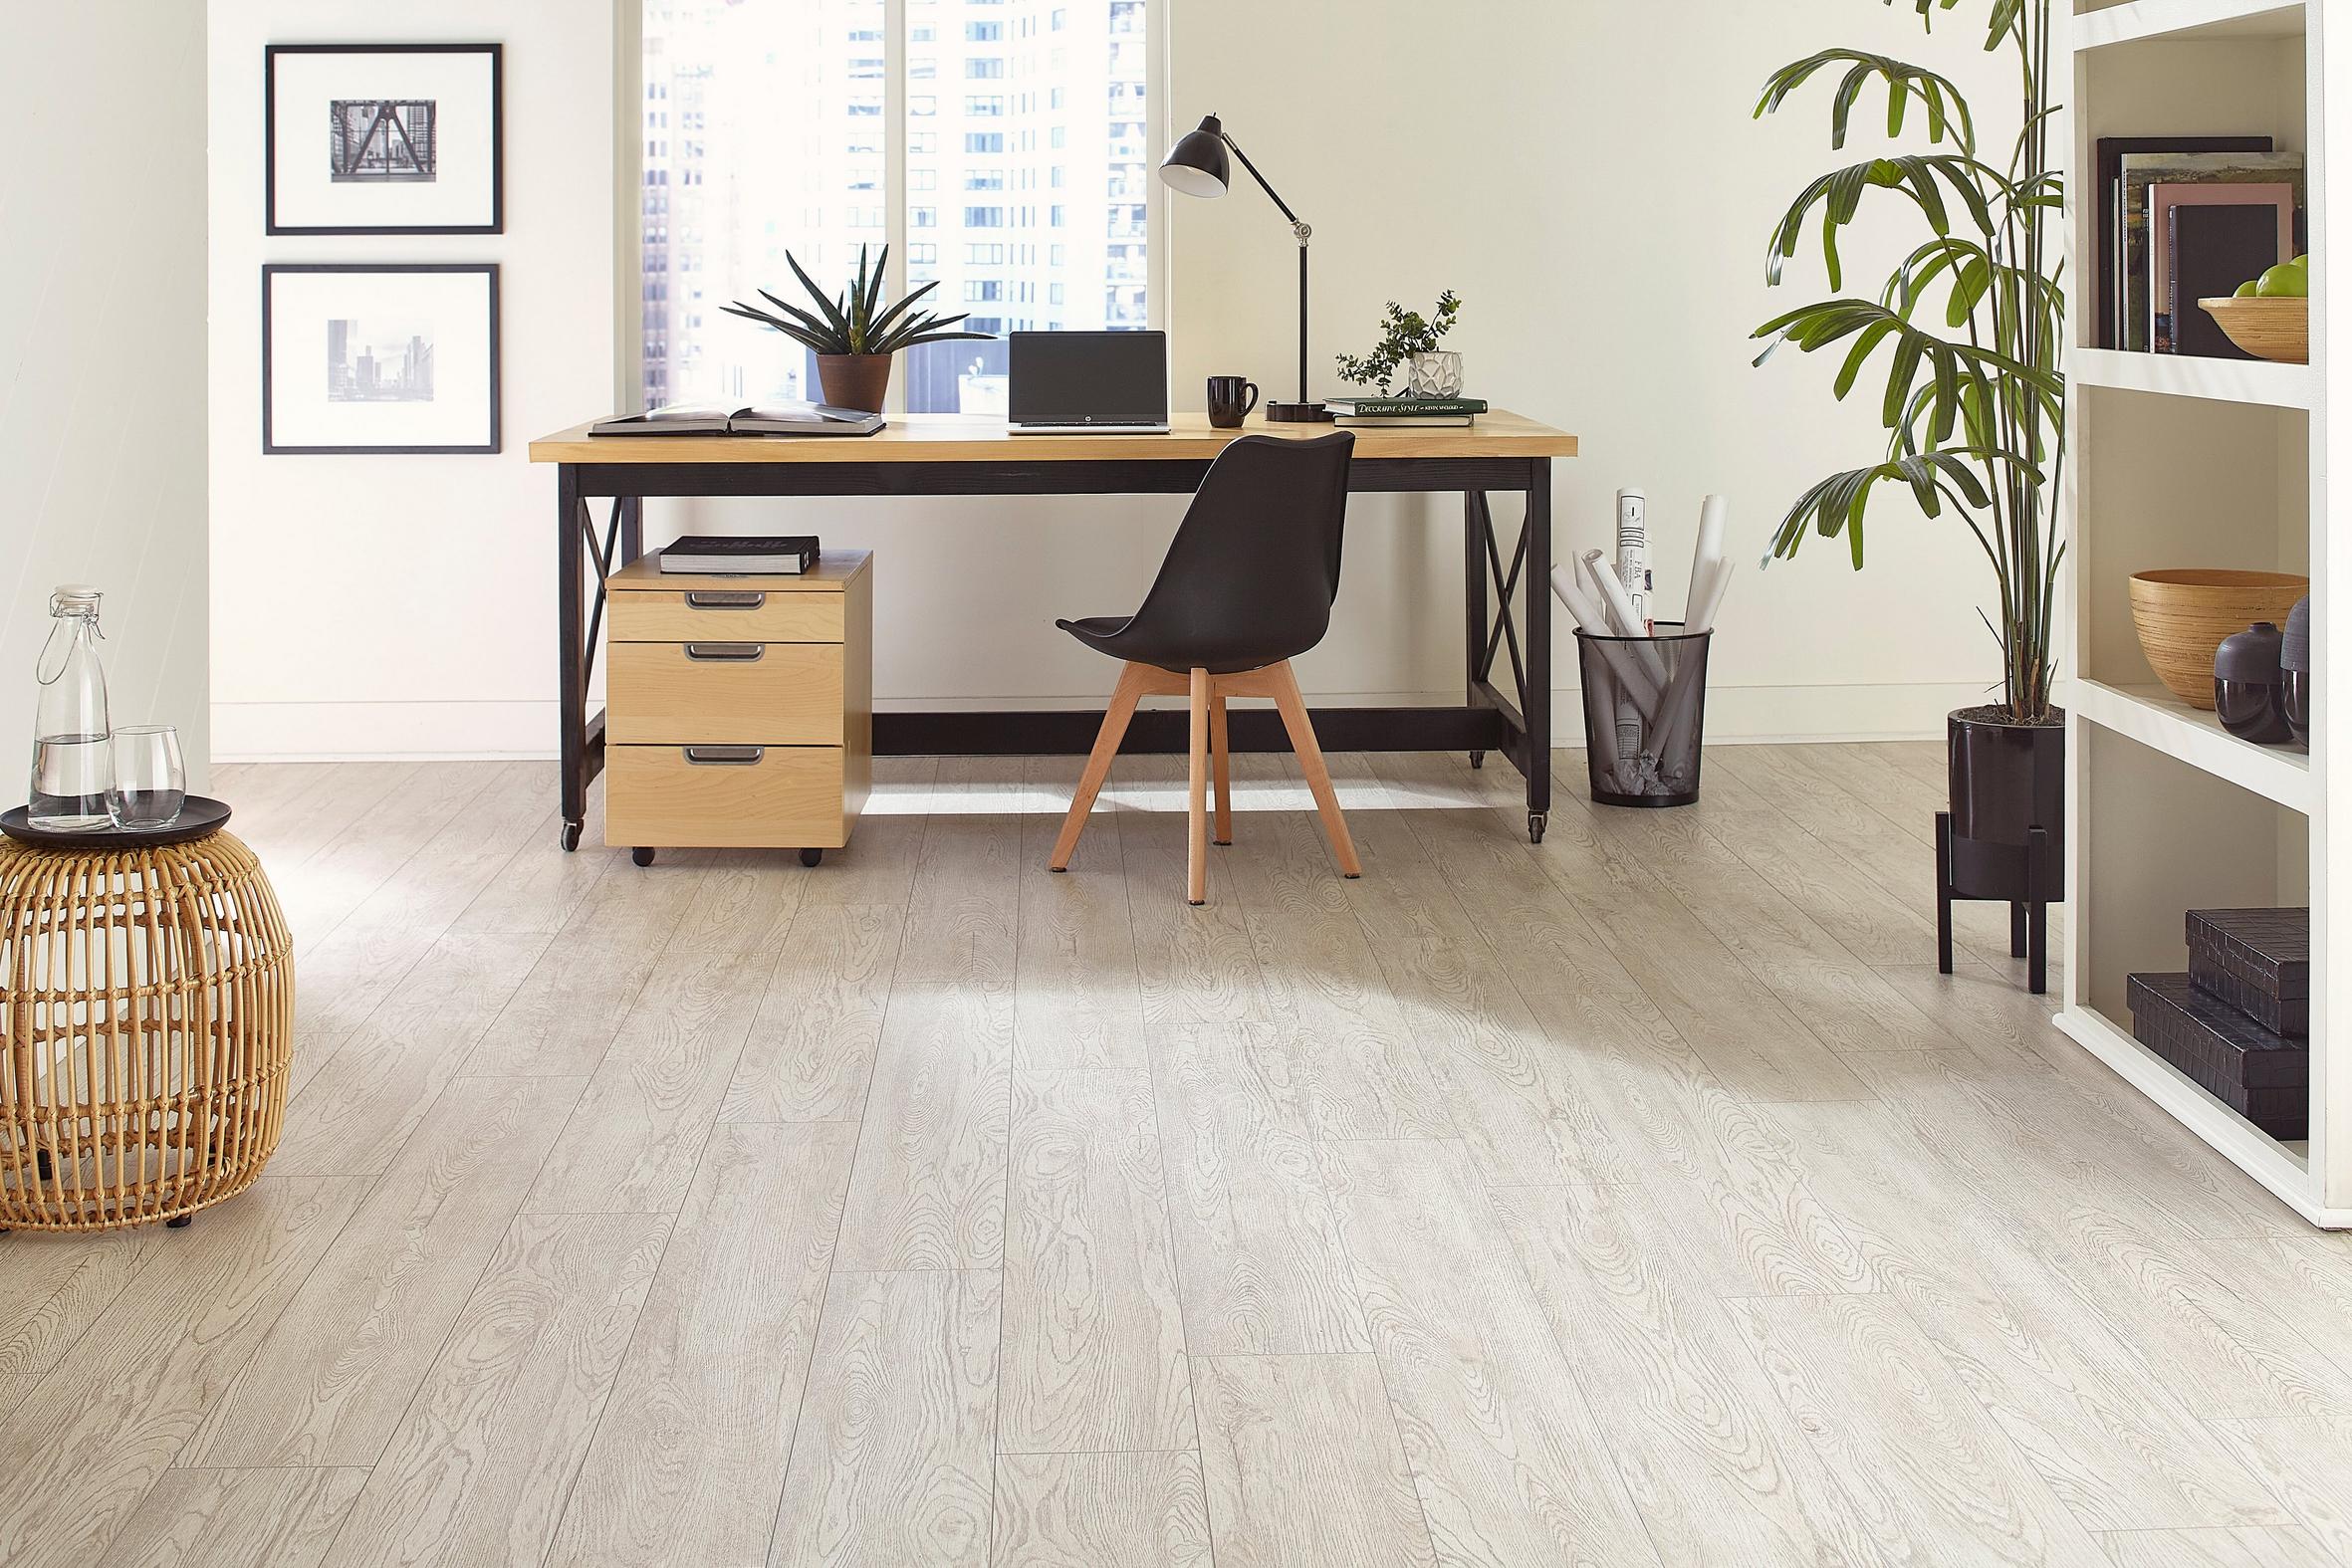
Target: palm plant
854, 322
1975, 413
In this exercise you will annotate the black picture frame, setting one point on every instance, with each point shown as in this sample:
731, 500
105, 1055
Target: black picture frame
270, 446
269, 122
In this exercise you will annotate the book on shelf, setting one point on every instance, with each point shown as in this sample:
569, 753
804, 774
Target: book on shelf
1403, 421
2111, 152
1361, 408
725, 555
2137, 239
2209, 248
784, 420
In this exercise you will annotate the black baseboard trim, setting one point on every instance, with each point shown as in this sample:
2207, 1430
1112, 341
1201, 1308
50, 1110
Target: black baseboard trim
1159, 731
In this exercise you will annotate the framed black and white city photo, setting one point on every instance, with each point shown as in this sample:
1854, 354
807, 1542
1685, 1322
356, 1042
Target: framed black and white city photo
379, 357
382, 139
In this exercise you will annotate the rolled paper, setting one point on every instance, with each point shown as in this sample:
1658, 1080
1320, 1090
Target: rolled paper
1595, 622
1633, 553
1704, 619
1706, 551
1623, 614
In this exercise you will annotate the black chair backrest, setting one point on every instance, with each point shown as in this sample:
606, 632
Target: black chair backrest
1252, 572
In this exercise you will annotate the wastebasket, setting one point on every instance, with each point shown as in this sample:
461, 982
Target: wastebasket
1645, 713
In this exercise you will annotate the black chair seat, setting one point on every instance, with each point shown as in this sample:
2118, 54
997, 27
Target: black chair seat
1112, 634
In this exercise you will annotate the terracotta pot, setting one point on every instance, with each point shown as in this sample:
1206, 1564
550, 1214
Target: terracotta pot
2006, 778
854, 380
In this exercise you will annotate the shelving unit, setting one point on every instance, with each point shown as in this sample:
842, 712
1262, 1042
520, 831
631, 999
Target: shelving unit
2188, 462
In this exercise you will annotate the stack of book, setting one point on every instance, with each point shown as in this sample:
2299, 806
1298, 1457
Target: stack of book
1390, 413
2185, 218
2240, 1021
732, 556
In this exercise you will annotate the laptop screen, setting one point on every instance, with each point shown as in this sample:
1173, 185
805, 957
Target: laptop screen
1101, 378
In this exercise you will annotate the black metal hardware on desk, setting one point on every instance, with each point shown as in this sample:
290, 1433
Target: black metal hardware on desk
1514, 720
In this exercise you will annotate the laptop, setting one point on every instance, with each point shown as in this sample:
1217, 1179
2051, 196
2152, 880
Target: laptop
1088, 383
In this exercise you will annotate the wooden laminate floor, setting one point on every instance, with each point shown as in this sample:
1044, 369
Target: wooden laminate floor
1645, 1197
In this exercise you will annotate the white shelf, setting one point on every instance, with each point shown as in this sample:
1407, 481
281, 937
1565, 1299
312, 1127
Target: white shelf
2280, 1167
2187, 20
2185, 376
2157, 719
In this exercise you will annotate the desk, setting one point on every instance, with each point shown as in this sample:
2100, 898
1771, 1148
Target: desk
1506, 602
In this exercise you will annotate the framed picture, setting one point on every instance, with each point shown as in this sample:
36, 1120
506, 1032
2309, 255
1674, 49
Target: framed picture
383, 138
379, 357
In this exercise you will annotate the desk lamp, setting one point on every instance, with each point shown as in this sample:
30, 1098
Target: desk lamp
1197, 166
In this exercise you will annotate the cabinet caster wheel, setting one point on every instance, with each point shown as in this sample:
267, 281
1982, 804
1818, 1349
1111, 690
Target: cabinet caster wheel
641, 856
1536, 821
811, 857
179, 1221
1478, 761
569, 837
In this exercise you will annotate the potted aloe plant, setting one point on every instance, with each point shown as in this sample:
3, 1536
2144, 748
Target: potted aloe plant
853, 334
1966, 337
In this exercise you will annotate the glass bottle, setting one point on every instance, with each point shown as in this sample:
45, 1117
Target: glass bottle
72, 761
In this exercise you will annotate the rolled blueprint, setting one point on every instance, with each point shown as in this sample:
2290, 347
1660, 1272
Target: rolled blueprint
1595, 621
1633, 554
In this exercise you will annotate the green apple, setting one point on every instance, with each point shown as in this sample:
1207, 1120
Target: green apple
2248, 289
2285, 281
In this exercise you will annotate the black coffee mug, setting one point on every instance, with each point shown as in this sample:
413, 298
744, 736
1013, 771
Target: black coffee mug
1230, 398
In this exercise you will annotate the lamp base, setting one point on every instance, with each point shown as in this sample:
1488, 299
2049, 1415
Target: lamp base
1297, 414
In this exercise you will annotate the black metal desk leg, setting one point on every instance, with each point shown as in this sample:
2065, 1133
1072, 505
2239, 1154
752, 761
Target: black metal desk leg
1537, 603
1474, 600
632, 530
570, 667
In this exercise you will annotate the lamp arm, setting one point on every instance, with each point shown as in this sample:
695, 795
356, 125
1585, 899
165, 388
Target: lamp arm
1297, 227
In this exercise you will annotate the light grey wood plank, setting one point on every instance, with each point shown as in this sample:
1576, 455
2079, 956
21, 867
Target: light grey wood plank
563, 1018
446, 872
290, 836
891, 1463
1992, 1012
339, 1367
1935, 1471
1509, 1462
321, 891
633, 903
632, 1143
1078, 1000
540, 888
242, 1518
811, 1051
2243, 1548
2304, 1461
1093, 1343
2304, 1280
362, 1104
1259, 1265
55, 1284
1304, 1467
745, 904
878, 868
928, 1187
480, 1466
83, 1446
1101, 1510
339, 982
1193, 965
688, 1468
963, 914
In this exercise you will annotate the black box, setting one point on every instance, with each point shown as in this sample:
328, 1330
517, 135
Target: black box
2258, 961
2262, 1075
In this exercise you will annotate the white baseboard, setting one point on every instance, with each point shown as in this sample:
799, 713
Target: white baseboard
440, 731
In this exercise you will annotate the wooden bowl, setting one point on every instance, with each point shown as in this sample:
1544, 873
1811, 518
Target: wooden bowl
2181, 617
2278, 329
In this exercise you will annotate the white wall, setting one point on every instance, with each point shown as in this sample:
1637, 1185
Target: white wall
1584, 171
404, 604
101, 356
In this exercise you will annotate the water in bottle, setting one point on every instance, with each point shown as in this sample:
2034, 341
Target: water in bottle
72, 759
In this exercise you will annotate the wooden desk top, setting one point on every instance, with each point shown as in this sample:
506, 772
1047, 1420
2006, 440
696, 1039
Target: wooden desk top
835, 569
968, 438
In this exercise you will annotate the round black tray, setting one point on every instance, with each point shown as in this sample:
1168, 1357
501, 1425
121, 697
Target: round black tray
200, 817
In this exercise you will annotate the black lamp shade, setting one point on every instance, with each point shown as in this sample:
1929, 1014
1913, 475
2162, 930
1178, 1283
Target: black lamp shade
1197, 164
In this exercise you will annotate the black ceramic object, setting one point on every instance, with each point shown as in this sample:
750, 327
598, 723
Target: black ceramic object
201, 817
2008, 787
2295, 668
2250, 694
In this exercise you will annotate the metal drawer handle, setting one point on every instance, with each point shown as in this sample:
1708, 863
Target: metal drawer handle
726, 652
725, 755
725, 598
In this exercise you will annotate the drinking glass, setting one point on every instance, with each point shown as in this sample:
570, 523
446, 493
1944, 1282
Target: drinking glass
151, 781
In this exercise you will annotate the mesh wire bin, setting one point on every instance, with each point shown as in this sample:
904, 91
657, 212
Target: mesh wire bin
1645, 711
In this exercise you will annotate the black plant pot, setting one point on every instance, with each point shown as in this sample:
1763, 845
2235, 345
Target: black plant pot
2005, 837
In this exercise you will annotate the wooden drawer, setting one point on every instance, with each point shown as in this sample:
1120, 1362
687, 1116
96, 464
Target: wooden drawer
725, 797
730, 693
725, 615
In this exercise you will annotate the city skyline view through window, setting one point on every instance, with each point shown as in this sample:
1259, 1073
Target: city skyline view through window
1026, 168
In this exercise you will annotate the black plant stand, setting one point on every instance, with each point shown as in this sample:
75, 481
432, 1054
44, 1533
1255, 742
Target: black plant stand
2029, 919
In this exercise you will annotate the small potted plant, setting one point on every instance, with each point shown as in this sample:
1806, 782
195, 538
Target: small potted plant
853, 334
1409, 339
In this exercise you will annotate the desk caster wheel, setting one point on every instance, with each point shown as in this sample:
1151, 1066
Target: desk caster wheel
811, 857
1536, 821
641, 856
1478, 760
568, 836
179, 1221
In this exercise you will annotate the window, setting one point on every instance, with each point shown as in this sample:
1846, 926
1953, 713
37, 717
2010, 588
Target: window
791, 149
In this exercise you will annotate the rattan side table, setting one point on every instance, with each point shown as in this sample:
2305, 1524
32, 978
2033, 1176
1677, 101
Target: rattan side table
147, 1023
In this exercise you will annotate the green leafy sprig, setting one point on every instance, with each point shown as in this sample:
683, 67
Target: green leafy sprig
1402, 333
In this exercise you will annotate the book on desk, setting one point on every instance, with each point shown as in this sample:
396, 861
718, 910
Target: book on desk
777, 419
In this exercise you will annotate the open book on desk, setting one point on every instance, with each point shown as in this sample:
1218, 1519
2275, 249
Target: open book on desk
785, 419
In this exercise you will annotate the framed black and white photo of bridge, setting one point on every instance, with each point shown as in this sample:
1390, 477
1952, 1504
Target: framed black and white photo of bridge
383, 138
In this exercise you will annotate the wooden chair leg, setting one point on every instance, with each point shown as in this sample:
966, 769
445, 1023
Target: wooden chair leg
1134, 682
1221, 765
1196, 859
1285, 687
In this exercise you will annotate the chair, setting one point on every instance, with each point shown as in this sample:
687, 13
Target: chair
1247, 586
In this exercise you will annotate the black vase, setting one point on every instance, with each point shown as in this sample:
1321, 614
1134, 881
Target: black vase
2249, 692
2006, 780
